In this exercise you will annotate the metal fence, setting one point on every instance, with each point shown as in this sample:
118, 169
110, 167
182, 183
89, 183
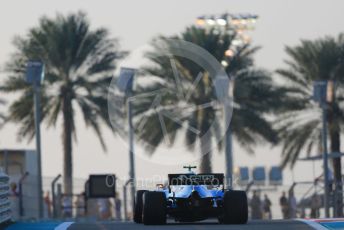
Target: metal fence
25, 203
5, 205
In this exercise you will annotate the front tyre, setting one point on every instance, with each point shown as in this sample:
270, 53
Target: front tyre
235, 208
154, 208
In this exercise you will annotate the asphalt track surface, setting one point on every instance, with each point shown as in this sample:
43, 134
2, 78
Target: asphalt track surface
255, 225
209, 225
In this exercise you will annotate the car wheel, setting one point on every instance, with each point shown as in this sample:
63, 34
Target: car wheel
138, 206
154, 208
235, 208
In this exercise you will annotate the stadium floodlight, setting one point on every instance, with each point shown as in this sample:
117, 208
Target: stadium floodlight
221, 21
210, 21
229, 53
237, 42
224, 63
200, 21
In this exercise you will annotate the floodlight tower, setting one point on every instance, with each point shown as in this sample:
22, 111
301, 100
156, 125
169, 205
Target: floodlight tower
238, 25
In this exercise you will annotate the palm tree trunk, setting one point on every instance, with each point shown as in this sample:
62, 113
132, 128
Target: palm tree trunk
205, 165
67, 144
206, 144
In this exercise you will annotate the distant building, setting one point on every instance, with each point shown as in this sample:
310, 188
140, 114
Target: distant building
16, 162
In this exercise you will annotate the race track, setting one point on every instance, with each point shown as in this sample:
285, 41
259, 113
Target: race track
255, 225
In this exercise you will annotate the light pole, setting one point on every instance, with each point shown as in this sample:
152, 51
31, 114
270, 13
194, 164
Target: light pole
125, 84
325, 161
320, 95
222, 90
35, 76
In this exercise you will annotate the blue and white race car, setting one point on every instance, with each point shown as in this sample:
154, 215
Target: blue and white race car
191, 197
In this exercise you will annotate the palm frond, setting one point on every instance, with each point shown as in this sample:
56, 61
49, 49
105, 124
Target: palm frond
298, 125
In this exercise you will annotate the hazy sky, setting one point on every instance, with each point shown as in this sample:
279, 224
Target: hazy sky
135, 23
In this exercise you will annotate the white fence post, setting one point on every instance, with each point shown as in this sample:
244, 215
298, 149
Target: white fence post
5, 204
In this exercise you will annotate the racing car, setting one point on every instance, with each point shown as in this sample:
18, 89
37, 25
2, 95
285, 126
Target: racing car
191, 197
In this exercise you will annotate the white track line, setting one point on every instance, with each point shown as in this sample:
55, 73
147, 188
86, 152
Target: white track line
63, 226
313, 224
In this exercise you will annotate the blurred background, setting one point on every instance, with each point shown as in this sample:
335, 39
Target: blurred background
299, 42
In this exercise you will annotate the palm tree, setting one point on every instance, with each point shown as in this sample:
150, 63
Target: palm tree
78, 66
255, 96
300, 123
